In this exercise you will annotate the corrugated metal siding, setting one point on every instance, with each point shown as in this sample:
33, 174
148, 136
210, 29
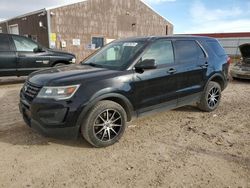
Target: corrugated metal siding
4, 27
231, 45
111, 19
225, 35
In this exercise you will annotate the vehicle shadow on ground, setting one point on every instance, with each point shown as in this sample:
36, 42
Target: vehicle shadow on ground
12, 80
240, 81
189, 108
24, 136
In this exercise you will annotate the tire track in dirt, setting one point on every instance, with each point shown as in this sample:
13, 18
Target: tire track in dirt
178, 148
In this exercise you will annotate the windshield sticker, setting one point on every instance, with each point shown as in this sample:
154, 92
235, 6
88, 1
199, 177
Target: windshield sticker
130, 44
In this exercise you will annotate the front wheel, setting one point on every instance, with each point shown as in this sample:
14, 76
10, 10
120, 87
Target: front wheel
211, 97
105, 124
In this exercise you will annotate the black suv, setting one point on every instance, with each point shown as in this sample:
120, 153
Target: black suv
125, 79
19, 56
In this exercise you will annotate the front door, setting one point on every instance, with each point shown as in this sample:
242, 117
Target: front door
8, 64
156, 88
28, 60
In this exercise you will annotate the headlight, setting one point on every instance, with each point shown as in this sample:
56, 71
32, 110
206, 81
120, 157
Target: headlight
73, 60
58, 93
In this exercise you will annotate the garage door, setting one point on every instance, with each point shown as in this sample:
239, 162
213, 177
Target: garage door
13, 29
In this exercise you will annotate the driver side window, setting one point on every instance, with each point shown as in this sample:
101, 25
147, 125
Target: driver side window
161, 51
24, 45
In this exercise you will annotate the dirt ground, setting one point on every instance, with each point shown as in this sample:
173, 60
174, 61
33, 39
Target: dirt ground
179, 148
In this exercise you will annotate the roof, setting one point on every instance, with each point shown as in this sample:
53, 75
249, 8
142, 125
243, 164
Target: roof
64, 4
143, 1
225, 35
67, 4
162, 37
24, 15
41, 10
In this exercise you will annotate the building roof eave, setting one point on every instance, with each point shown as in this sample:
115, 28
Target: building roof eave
65, 4
144, 2
80, 1
24, 15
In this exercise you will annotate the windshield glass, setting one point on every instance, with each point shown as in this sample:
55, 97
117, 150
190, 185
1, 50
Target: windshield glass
116, 55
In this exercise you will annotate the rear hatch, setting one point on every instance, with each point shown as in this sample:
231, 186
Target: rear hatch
245, 52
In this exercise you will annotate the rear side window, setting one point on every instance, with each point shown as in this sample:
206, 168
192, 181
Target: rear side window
4, 43
188, 51
216, 47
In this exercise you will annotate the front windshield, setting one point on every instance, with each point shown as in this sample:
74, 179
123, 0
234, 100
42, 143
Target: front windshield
116, 55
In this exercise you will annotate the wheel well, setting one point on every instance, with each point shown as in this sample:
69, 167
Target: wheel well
219, 80
123, 104
64, 62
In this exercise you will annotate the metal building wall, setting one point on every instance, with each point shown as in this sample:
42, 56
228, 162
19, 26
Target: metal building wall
111, 19
28, 25
3, 27
231, 45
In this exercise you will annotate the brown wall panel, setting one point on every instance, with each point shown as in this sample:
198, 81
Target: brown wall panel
111, 19
4, 27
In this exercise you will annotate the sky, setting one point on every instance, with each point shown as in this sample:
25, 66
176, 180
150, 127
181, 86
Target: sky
188, 16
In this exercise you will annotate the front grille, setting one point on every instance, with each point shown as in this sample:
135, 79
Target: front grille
30, 91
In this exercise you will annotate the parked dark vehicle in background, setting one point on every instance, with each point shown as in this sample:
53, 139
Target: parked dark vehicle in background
242, 69
125, 79
20, 56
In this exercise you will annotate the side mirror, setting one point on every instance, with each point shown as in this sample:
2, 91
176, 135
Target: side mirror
38, 49
146, 64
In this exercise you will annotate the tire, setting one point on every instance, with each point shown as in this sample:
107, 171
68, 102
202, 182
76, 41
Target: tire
105, 124
211, 97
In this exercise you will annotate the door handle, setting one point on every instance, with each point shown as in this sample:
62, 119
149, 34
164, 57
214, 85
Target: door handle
204, 66
172, 71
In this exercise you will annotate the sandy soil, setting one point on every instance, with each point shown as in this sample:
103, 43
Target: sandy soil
179, 148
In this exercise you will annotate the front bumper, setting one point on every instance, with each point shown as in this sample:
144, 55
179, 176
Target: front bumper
51, 119
239, 72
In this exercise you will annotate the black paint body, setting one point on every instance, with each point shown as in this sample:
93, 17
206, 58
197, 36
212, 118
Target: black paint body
139, 92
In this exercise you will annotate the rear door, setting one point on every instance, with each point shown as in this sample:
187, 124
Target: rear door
156, 88
27, 59
192, 66
8, 64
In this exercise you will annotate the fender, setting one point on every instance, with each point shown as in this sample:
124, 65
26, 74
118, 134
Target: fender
97, 97
217, 75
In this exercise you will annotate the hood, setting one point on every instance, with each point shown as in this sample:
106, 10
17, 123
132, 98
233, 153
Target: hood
245, 50
59, 52
68, 75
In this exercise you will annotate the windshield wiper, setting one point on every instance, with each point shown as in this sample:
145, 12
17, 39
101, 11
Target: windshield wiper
93, 65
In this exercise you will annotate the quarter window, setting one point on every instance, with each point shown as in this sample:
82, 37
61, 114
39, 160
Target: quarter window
188, 51
23, 44
216, 47
161, 51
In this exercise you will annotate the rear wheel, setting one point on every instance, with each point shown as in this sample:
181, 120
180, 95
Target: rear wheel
105, 124
211, 97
